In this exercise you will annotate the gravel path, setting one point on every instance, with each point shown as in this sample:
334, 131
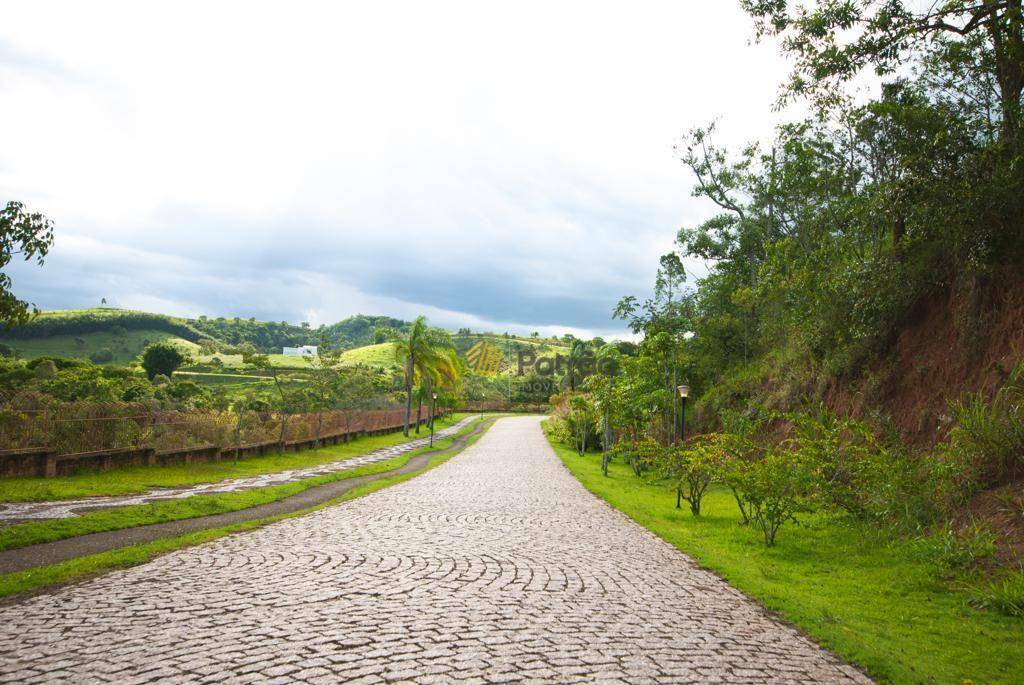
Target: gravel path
59, 509
494, 567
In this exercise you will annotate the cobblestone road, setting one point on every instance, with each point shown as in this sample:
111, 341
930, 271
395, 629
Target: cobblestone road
495, 567
59, 509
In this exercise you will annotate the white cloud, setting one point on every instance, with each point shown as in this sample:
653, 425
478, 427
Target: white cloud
330, 158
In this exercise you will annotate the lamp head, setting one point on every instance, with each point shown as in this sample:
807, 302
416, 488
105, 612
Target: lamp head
684, 391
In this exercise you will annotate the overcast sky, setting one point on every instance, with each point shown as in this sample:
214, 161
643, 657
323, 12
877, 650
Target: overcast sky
499, 167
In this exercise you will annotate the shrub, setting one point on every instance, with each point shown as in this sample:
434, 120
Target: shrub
642, 455
162, 359
772, 491
990, 435
841, 454
962, 550
1005, 596
46, 369
103, 356
691, 469
581, 422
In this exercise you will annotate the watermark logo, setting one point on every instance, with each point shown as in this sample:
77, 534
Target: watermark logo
484, 358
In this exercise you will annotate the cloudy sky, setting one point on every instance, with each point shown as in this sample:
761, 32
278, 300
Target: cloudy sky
502, 167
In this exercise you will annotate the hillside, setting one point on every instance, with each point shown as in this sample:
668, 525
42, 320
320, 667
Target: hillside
117, 336
81, 332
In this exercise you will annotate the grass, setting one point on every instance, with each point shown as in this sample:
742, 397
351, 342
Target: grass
877, 602
235, 361
126, 348
382, 355
135, 480
36, 532
78, 569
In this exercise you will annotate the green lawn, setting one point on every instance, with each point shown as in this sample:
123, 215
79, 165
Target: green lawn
878, 602
382, 355
124, 347
139, 479
76, 569
35, 532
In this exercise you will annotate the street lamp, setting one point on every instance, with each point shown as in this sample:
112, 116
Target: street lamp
433, 403
684, 392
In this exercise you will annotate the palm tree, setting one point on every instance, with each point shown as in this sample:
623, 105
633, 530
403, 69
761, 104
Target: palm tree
425, 352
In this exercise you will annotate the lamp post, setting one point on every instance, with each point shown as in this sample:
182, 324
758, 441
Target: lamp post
684, 392
433, 403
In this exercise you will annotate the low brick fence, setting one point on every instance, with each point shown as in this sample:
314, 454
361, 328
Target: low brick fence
40, 462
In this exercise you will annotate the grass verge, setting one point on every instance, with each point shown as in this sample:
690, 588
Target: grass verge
36, 532
34, 580
877, 602
140, 479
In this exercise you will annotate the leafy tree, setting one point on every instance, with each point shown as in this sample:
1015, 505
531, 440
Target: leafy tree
773, 491
835, 40
691, 470
102, 356
423, 351
24, 234
162, 359
582, 421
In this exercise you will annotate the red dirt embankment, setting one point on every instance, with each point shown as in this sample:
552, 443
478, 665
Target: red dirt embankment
967, 339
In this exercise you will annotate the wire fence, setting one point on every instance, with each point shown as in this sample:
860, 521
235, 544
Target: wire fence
78, 427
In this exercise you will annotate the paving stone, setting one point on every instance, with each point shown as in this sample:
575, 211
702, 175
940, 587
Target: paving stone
497, 566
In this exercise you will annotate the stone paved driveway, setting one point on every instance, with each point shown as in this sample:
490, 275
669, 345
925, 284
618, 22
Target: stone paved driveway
495, 567
59, 509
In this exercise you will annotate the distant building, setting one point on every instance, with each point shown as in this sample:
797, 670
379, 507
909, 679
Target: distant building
304, 351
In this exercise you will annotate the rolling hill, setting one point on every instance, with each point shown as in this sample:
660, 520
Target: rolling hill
118, 336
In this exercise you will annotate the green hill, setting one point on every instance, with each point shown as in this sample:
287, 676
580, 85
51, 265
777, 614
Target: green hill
75, 322
118, 336
81, 332
104, 347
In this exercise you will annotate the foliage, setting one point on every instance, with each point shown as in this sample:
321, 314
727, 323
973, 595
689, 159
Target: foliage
1005, 595
841, 453
989, 435
691, 468
874, 599
79, 321
834, 40
773, 490
642, 454
24, 234
582, 422
962, 549
428, 356
162, 359
102, 356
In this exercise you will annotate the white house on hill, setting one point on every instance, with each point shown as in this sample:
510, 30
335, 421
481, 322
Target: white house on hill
304, 351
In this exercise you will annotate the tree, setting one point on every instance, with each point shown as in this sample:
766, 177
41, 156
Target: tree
690, 469
324, 385
287, 401
26, 235
835, 40
162, 359
423, 351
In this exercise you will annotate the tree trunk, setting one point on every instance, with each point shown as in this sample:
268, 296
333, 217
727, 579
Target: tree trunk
1006, 32
419, 411
284, 426
409, 368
